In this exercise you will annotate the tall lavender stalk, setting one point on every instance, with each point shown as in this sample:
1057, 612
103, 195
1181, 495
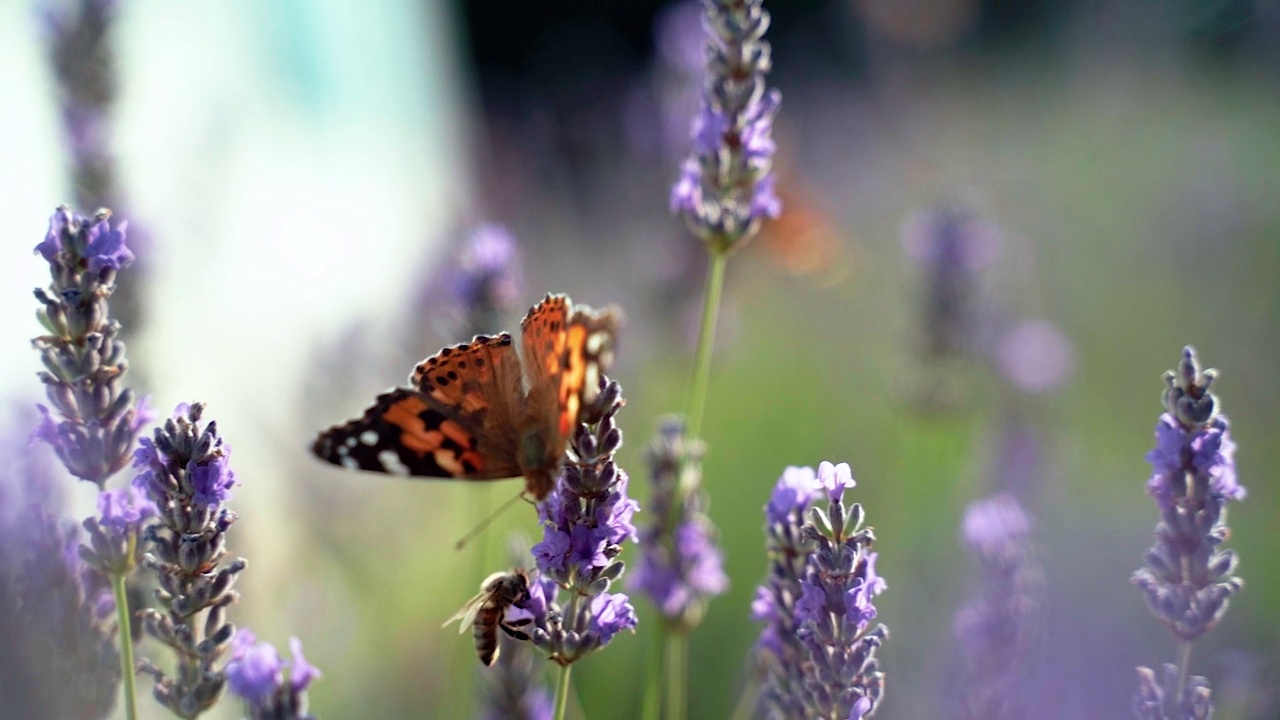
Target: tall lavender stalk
1000, 627
186, 474
1187, 578
585, 521
725, 191
681, 569
726, 187
818, 646
95, 420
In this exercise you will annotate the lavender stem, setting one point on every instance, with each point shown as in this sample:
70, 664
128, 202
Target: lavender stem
128, 675
706, 341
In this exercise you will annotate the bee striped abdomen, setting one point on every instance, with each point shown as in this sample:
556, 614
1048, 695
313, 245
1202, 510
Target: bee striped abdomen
486, 632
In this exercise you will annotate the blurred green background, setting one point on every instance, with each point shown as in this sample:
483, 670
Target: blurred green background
303, 171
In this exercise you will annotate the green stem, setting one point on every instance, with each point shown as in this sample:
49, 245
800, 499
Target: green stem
127, 672
1184, 669
562, 691
706, 340
677, 659
653, 677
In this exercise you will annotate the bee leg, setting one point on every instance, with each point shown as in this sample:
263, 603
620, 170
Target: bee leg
517, 634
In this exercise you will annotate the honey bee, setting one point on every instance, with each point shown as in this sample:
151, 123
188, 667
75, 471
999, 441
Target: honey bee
484, 612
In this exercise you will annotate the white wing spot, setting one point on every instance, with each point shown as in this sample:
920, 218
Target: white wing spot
596, 341
391, 463
350, 463
349, 442
369, 437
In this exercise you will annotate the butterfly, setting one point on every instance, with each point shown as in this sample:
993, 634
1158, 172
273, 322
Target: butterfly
482, 411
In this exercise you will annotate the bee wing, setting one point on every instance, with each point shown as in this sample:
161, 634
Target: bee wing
467, 613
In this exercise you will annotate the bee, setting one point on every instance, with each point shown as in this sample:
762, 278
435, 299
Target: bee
485, 612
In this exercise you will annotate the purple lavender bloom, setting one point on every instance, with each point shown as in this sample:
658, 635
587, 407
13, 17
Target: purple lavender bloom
113, 547
475, 288
1035, 356
817, 648
778, 651
184, 472
952, 244
584, 521
680, 567
1188, 579
725, 188
256, 674
1000, 627
94, 420
59, 624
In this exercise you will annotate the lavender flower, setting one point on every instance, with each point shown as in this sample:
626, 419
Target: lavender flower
65, 625
83, 58
513, 686
256, 674
486, 280
113, 547
185, 473
94, 420
952, 245
999, 629
84, 66
818, 647
680, 568
779, 651
585, 520
726, 187
1188, 579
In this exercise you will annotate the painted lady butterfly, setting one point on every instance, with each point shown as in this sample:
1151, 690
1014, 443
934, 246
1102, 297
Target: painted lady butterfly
479, 411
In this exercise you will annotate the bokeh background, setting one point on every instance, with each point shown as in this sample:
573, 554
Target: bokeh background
300, 175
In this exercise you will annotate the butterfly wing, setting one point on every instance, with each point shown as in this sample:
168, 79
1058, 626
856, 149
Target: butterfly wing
457, 424
565, 349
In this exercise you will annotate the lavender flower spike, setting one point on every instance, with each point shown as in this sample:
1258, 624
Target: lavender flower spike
680, 568
726, 187
1187, 578
94, 420
818, 645
779, 652
185, 473
256, 674
1000, 628
585, 520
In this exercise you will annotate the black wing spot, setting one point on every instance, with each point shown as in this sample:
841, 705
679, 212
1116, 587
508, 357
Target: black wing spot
479, 363
443, 381
453, 375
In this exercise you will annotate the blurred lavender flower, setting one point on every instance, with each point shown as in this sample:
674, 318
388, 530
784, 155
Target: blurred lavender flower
951, 245
513, 686
79, 38
1035, 356
1000, 628
84, 66
96, 419
64, 623
255, 673
817, 646
726, 187
185, 473
486, 278
585, 520
1187, 578
680, 568
473, 289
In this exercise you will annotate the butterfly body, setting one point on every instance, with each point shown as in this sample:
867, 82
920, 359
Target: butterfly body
482, 410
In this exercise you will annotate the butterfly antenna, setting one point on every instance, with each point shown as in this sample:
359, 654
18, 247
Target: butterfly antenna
479, 528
